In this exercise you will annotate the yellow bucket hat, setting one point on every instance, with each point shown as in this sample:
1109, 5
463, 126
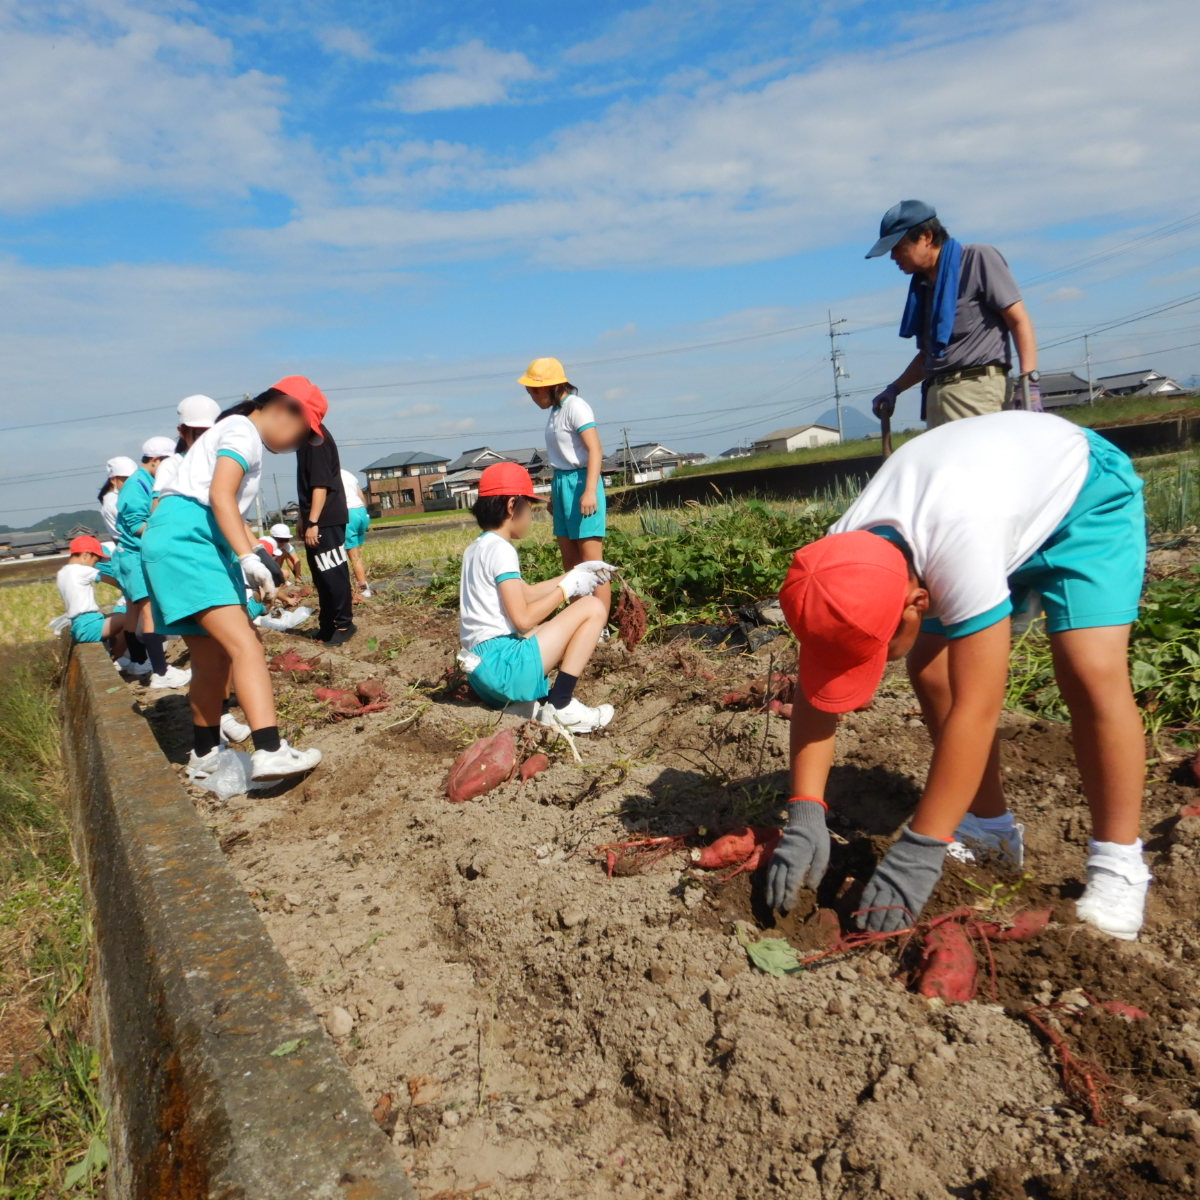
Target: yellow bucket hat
543, 372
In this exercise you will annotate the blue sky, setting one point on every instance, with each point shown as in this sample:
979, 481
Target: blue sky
408, 201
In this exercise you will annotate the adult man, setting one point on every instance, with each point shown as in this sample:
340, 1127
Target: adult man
322, 523
963, 305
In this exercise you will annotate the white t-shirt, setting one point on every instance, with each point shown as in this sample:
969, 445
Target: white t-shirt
487, 562
165, 475
75, 585
108, 511
235, 437
974, 499
563, 426
351, 485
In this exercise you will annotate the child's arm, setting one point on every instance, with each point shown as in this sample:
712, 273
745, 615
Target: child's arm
222, 497
978, 666
529, 604
588, 502
813, 736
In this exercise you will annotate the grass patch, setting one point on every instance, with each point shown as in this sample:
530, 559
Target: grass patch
1129, 409
26, 610
448, 514
857, 448
51, 1122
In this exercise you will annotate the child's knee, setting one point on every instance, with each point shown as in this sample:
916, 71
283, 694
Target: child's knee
592, 607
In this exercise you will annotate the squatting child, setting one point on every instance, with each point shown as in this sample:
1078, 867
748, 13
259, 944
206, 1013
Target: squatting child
510, 640
950, 538
77, 587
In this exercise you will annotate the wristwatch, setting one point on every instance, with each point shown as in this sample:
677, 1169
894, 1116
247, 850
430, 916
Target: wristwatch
1033, 376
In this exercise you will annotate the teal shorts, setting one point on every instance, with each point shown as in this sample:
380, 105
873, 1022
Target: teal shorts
190, 566
566, 491
130, 575
356, 528
88, 627
1089, 571
510, 671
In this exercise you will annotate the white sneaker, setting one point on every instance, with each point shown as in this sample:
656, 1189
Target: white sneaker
233, 730
172, 677
278, 764
576, 717
202, 766
125, 665
1114, 900
972, 841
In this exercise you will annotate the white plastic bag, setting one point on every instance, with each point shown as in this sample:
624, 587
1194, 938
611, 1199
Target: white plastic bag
283, 619
231, 776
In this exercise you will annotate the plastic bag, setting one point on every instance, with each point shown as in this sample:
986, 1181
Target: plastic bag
231, 777
283, 619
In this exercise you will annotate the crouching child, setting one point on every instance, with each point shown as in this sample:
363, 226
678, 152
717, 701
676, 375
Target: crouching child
952, 536
509, 638
77, 588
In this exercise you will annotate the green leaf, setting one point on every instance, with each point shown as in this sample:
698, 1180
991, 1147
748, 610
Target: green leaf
775, 956
109, 691
285, 1048
372, 644
92, 1163
1144, 675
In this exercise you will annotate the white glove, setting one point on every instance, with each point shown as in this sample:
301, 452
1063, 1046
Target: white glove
579, 582
598, 567
258, 578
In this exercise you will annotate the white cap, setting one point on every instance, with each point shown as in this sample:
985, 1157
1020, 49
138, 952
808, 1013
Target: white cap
269, 543
158, 447
198, 412
281, 531
120, 466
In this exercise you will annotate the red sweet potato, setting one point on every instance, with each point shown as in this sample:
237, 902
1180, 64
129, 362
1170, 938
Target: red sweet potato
483, 765
289, 660
371, 691
535, 764
1189, 810
1129, 1011
744, 848
1024, 926
948, 968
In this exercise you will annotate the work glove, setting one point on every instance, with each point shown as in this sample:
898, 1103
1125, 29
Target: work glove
579, 582
902, 883
258, 578
1035, 394
802, 856
602, 570
885, 403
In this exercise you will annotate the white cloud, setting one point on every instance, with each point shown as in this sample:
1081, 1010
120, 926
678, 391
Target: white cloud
467, 76
1065, 295
416, 410
350, 43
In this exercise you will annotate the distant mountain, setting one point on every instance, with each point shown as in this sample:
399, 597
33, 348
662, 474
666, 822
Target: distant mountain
61, 523
855, 424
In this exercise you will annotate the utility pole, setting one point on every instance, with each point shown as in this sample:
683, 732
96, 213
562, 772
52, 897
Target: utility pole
628, 455
839, 372
1087, 355
278, 498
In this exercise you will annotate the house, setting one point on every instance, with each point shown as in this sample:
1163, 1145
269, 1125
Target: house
1140, 383
736, 452
796, 437
458, 489
400, 482
38, 544
1063, 389
81, 531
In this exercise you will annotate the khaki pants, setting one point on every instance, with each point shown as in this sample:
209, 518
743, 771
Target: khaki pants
956, 398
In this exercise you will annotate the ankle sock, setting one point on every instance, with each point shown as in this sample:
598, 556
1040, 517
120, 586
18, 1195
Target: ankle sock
154, 643
266, 738
135, 647
1130, 853
563, 689
1000, 824
205, 738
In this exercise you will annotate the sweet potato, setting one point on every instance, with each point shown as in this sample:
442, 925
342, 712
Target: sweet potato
1189, 810
744, 848
482, 766
948, 968
1024, 926
535, 764
289, 660
371, 691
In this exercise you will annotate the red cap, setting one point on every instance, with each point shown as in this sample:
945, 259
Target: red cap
87, 545
843, 598
507, 479
311, 400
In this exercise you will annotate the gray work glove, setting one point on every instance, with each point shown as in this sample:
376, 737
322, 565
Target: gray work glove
903, 881
802, 857
885, 403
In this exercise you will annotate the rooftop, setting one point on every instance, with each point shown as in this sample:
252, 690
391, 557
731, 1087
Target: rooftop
792, 431
405, 458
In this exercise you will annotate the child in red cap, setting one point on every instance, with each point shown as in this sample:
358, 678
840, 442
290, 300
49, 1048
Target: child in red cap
956, 532
508, 635
76, 587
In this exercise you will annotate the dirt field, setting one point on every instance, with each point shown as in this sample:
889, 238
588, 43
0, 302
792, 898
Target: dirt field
527, 1027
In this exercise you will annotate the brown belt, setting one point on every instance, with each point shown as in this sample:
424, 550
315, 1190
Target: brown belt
968, 373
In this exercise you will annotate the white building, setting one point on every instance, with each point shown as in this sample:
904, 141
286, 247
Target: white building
796, 437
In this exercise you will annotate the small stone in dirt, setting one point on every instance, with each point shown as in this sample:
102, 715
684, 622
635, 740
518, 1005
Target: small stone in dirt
731, 968
571, 916
450, 1118
339, 1022
837, 1006
333, 839
294, 899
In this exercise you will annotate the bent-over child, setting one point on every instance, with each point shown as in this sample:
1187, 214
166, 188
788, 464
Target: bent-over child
510, 639
577, 501
77, 587
199, 557
948, 540
358, 522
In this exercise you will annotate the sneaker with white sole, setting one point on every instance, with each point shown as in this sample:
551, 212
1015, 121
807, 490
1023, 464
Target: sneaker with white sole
233, 730
172, 677
278, 764
576, 717
127, 666
973, 841
1114, 900
202, 766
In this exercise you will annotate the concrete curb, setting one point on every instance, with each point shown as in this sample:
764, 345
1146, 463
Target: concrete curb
191, 997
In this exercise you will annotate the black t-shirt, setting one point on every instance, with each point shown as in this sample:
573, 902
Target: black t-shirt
320, 466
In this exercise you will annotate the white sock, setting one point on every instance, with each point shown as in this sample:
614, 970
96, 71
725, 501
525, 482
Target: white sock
1001, 824
1131, 852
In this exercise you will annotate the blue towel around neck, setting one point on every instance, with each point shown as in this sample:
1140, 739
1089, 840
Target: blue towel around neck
944, 300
